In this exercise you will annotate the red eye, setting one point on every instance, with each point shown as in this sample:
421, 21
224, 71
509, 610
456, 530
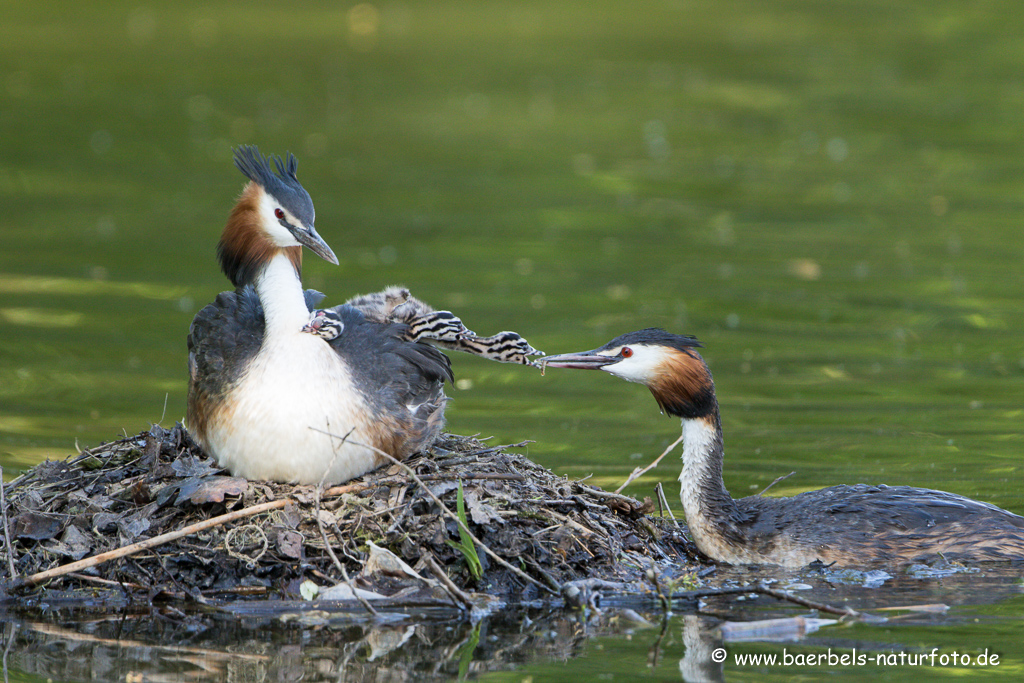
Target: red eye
626, 352
279, 213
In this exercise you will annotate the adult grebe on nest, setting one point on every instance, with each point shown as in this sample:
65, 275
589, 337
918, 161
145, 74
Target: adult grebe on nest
844, 525
280, 391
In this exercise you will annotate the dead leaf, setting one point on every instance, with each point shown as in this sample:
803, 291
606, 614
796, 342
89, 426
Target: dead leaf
211, 489
383, 561
289, 544
480, 512
137, 523
306, 495
384, 641
76, 544
186, 466
35, 526
133, 528
290, 516
327, 518
33, 500
343, 592
141, 493
102, 521
629, 508
443, 487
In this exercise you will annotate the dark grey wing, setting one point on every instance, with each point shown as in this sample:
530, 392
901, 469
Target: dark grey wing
907, 508
402, 381
223, 337
894, 523
313, 298
379, 353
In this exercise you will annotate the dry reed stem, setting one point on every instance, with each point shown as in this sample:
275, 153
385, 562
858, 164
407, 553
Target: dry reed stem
640, 471
457, 594
133, 548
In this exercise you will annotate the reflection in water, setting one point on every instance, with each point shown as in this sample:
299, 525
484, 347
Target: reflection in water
257, 642
162, 644
700, 640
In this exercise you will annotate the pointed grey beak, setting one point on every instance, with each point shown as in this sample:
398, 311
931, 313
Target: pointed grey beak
587, 360
309, 237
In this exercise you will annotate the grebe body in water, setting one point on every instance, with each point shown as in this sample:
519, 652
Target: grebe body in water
842, 525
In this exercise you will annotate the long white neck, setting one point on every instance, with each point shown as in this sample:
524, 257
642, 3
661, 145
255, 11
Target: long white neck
280, 291
702, 490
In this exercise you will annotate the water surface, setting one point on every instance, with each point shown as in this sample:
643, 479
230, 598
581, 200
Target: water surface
827, 194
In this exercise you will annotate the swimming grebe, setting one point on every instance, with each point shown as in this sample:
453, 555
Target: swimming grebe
845, 525
268, 399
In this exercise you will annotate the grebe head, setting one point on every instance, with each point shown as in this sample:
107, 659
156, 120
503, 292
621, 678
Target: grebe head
274, 213
667, 364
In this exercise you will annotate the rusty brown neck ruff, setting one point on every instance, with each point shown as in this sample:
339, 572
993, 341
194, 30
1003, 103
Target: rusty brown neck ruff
685, 389
245, 248
248, 256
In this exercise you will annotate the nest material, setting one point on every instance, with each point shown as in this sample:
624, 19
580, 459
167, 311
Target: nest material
538, 531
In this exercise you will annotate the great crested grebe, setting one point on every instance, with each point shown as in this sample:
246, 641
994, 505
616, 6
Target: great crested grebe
268, 397
845, 525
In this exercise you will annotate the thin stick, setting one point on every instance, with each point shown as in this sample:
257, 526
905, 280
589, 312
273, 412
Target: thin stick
355, 593
501, 476
764, 590
68, 634
327, 545
457, 594
573, 523
337, 563
444, 508
640, 471
820, 606
663, 597
492, 449
106, 582
7, 530
777, 480
662, 501
124, 551
349, 488
327, 470
599, 493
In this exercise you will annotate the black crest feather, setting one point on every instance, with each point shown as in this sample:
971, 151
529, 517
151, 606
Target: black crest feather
654, 336
283, 185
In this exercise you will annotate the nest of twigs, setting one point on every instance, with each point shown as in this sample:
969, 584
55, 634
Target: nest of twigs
164, 520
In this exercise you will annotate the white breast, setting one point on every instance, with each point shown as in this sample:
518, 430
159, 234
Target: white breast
279, 421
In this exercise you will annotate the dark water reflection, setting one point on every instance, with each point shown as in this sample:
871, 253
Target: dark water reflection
629, 639
827, 194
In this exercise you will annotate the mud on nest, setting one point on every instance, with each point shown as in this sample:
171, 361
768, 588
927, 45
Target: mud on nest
544, 531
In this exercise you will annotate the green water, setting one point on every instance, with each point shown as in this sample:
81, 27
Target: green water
827, 194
